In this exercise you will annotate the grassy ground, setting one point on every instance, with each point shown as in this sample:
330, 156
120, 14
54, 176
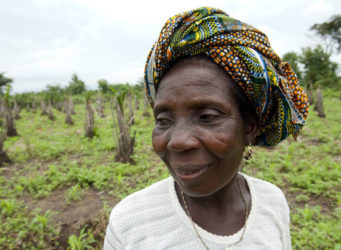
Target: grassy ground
60, 187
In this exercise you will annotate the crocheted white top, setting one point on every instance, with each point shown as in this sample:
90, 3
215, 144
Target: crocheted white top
153, 218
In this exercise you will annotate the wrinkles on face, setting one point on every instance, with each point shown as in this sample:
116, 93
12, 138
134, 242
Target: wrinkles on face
198, 132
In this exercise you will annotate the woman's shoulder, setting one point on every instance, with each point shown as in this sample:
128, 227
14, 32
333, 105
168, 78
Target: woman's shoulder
269, 211
139, 215
142, 200
266, 192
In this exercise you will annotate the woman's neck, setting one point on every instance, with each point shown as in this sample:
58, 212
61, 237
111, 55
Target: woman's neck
219, 200
223, 212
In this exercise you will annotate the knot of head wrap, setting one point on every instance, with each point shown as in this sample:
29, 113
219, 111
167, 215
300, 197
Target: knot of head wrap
245, 54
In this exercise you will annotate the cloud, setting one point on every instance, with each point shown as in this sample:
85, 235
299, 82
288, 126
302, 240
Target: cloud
318, 6
44, 42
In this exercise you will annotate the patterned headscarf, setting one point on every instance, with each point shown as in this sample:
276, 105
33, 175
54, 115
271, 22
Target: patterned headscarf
245, 54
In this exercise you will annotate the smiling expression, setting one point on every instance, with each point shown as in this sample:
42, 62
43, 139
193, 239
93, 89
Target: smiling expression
199, 132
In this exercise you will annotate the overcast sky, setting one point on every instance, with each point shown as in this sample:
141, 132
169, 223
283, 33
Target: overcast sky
45, 41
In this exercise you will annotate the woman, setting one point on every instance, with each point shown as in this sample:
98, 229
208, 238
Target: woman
216, 88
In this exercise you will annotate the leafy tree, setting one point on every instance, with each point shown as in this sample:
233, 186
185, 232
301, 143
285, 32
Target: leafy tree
330, 32
293, 59
76, 86
24, 98
318, 69
4, 81
103, 86
54, 89
54, 93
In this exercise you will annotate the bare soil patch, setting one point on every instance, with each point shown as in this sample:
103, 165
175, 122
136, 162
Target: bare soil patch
10, 170
327, 204
314, 142
70, 218
337, 158
7, 172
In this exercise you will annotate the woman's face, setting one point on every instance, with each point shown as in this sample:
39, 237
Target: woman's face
199, 132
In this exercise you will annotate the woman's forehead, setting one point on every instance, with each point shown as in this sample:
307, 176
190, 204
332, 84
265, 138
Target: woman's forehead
192, 84
195, 71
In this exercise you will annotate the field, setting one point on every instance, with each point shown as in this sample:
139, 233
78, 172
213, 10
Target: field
59, 189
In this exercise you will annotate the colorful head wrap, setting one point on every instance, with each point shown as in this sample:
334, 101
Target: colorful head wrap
245, 54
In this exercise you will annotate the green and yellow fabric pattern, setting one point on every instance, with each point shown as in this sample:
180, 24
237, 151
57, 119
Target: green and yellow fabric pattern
245, 54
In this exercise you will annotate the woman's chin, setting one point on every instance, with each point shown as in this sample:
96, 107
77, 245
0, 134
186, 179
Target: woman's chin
196, 190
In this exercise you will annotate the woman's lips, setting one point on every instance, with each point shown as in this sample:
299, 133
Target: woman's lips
190, 173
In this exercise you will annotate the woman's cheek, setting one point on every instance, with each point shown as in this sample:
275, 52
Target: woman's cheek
220, 143
159, 142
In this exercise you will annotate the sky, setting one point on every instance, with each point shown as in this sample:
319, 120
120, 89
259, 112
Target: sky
45, 41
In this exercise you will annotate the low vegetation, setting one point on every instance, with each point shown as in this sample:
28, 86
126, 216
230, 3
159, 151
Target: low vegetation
64, 167
60, 186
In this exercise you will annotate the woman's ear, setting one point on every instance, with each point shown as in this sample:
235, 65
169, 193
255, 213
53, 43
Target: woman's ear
251, 131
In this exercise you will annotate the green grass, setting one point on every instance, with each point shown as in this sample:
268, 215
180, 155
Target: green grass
21, 229
309, 172
51, 158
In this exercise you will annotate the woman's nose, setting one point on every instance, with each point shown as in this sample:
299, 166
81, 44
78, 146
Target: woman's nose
182, 138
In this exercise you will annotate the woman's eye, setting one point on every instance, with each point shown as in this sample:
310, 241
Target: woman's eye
208, 117
162, 122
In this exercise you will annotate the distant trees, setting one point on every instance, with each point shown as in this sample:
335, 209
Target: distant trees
25, 99
55, 92
4, 81
121, 96
319, 70
76, 86
330, 32
54, 89
103, 86
313, 66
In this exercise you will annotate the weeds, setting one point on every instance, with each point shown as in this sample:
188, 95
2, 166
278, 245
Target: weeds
53, 157
74, 193
24, 230
310, 228
8, 207
83, 241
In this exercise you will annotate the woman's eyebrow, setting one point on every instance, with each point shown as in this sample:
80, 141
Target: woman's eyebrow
160, 107
196, 103
210, 103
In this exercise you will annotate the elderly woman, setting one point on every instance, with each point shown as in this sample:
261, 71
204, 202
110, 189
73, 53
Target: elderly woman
216, 88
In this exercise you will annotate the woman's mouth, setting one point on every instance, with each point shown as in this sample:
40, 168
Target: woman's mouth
189, 173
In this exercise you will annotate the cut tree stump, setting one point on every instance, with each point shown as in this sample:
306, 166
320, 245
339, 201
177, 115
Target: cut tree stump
319, 104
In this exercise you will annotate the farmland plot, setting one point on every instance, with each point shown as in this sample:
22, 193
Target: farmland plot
60, 187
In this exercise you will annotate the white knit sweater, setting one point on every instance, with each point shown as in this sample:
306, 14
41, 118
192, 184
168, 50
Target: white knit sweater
153, 218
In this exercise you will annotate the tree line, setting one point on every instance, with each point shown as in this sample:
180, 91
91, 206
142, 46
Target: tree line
313, 67
123, 101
